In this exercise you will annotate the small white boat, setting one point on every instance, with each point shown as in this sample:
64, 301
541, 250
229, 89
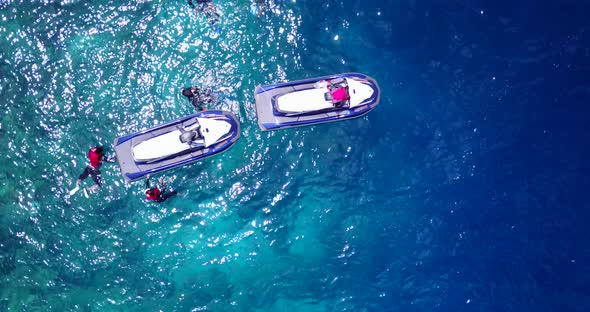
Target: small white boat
177, 143
315, 100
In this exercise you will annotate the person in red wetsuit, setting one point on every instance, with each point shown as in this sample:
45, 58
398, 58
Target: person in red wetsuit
95, 157
159, 193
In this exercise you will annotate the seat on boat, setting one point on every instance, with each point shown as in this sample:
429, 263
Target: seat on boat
338, 82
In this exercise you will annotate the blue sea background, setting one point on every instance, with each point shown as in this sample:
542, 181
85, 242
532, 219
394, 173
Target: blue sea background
464, 190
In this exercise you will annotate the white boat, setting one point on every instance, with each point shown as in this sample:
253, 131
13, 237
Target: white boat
177, 143
316, 100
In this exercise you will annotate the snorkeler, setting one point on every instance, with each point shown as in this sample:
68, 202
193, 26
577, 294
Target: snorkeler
198, 97
206, 7
257, 7
95, 158
159, 193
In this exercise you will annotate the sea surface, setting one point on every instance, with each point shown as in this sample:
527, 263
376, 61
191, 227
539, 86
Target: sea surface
466, 189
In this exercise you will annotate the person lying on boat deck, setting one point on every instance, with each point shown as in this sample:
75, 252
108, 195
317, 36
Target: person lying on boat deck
206, 7
95, 157
159, 193
192, 138
197, 97
339, 96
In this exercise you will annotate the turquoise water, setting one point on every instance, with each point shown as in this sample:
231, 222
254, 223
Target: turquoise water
463, 190
261, 227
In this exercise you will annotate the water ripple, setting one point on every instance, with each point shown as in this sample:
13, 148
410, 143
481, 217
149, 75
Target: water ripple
283, 220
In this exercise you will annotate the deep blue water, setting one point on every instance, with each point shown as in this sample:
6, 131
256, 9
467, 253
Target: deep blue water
464, 190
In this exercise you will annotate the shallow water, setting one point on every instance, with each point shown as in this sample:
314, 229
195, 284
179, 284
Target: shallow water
463, 190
